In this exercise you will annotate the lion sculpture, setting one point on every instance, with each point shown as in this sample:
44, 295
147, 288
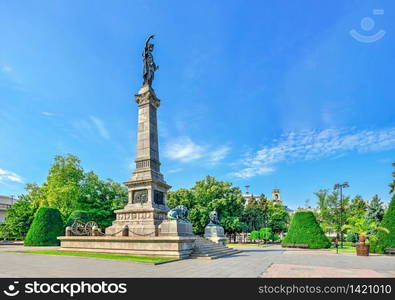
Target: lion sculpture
213, 217
180, 212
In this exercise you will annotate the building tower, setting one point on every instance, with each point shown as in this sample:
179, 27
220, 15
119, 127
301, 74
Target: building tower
276, 195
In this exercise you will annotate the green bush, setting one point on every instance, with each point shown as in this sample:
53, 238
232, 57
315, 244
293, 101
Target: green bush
304, 229
352, 237
254, 236
387, 240
79, 215
46, 227
3, 231
265, 234
275, 237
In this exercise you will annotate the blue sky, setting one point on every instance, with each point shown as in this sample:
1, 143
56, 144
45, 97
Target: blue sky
274, 94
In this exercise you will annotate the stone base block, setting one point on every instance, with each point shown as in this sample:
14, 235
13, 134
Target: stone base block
175, 228
170, 246
215, 233
134, 229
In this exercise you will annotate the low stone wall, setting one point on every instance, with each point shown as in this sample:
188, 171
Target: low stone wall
165, 246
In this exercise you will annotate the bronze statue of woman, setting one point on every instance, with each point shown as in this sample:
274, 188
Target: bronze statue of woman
149, 65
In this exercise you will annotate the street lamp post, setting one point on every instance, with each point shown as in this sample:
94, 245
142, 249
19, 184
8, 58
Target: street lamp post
340, 187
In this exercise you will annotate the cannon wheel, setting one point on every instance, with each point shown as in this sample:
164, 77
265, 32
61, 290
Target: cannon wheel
78, 228
89, 227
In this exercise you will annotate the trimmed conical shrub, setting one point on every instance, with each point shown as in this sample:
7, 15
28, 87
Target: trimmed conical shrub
304, 229
46, 227
384, 239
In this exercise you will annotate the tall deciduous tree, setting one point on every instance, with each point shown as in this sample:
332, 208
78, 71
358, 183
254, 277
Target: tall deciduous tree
100, 198
18, 218
62, 190
255, 214
278, 217
69, 188
208, 195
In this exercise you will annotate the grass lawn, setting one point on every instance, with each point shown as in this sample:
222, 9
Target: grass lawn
345, 249
145, 259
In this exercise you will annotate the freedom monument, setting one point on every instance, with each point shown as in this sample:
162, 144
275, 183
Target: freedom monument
142, 226
146, 226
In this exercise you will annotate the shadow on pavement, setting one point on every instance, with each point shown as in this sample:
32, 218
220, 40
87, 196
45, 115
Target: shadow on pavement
262, 250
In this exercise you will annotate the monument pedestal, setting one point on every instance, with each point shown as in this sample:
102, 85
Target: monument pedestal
166, 246
142, 220
175, 228
215, 233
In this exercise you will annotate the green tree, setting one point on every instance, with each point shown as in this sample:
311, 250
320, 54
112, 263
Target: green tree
78, 215
266, 234
255, 214
375, 210
323, 212
357, 208
254, 236
332, 211
181, 196
100, 198
68, 188
277, 216
63, 186
18, 218
208, 195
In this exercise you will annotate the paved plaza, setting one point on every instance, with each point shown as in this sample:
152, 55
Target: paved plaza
253, 261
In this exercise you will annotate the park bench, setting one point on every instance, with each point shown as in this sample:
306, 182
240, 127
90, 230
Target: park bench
301, 246
389, 250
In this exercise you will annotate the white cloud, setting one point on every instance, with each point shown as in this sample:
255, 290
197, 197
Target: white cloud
6, 69
47, 114
100, 127
252, 171
184, 150
218, 154
91, 126
310, 145
10, 176
176, 170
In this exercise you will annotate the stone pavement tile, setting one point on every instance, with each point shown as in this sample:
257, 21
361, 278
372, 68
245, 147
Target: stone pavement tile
310, 252
303, 271
252, 262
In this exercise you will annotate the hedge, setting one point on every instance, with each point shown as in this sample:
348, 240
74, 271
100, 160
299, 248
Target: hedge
46, 227
304, 229
387, 240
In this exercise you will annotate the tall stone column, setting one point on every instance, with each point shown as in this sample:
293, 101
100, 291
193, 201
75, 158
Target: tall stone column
147, 190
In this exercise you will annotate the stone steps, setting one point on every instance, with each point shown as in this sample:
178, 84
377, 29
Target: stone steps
206, 249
